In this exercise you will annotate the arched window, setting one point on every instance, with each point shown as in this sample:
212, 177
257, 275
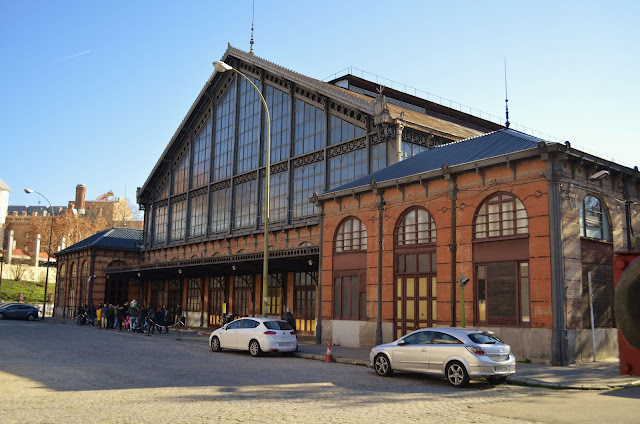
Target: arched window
84, 279
594, 222
416, 226
73, 275
351, 236
501, 215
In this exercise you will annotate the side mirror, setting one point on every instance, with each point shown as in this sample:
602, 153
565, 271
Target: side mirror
401, 343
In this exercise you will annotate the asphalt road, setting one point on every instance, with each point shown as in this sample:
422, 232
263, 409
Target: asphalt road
64, 373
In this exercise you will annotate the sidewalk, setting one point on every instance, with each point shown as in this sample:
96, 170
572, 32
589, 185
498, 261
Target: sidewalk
600, 375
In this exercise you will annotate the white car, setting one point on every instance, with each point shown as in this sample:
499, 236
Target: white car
456, 353
257, 335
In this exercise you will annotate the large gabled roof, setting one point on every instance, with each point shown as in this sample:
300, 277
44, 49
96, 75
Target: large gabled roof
486, 146
349, 98
114, 238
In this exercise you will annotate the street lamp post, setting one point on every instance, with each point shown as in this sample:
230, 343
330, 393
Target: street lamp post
46, 280
223, 67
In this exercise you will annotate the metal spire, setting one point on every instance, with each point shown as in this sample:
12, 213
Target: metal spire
252, 15
506, 96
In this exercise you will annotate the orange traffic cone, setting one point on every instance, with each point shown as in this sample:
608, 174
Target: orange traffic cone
329, 357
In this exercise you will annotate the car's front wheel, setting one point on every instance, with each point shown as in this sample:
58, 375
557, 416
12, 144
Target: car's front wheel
457, 374
215, 344
382, 365
31, 317
254, 348
496, 379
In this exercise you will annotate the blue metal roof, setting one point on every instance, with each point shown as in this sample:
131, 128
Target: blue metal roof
114, 238
486, 146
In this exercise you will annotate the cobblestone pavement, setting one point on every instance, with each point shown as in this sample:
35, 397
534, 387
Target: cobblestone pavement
64, 373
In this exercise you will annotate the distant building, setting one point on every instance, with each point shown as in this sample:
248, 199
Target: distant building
4, 205
19, 219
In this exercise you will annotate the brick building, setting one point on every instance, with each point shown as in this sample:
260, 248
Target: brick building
380, 202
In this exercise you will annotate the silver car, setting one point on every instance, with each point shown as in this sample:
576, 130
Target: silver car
257, 335
456, 353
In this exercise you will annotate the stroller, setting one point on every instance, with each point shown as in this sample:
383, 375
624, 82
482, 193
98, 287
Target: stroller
126, 324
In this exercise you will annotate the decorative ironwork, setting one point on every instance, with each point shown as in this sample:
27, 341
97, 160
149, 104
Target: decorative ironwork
278, 81
386, 131
161, 203
349, 146
180, 198
199, 192
203, 121
376, 139
308, 159
221, 185
180, 155
224, 85
346, 112
250, 176
309, 96
164, 180
276, 169
247, 68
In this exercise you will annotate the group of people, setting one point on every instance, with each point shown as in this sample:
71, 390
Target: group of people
127, 317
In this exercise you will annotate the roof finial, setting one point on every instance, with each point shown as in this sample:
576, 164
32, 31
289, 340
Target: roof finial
506, 96
252, 15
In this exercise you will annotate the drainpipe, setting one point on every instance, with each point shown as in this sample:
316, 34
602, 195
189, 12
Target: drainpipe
319, 279
91, 274
380, 246
399, 141
453, 247
559, 341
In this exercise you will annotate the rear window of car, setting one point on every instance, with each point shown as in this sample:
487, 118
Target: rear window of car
277, 325
484, 338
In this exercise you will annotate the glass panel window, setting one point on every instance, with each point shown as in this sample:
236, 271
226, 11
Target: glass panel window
241, 295
220, 210
193, 294
198, 219
378, 156
351, 235
341, 130
201, 157
416, 226
245, 204
280, 112
274, 295
248, 126
309, 129
160, 230
278, 199
178, 219
502, 293
594, 222
306, 180
501, 215
347, 167
181, 175
224, 134
348, 295
411, 149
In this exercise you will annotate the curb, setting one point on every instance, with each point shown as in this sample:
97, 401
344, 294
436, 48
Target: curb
532, 382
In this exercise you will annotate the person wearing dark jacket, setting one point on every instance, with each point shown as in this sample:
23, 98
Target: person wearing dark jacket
133, 317
92, 315
288, 316
121, 314
142, 315
111, 314
151, 317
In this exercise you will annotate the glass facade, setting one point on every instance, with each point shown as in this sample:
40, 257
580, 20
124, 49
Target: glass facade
340, 130
278, 198
201, 157
181, 175
198, 216
160, 227
347, 167
309, 129
221, 210
244, 203
306, 180
280, 114
248, 126
224, 135
178, 219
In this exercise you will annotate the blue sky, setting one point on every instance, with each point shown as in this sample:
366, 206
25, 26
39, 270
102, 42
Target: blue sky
92, 91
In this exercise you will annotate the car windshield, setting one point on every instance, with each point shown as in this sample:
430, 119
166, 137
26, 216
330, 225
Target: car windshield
484, 338
277, 325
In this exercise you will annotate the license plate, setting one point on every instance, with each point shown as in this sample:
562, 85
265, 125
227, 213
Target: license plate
285, 344
501, 369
